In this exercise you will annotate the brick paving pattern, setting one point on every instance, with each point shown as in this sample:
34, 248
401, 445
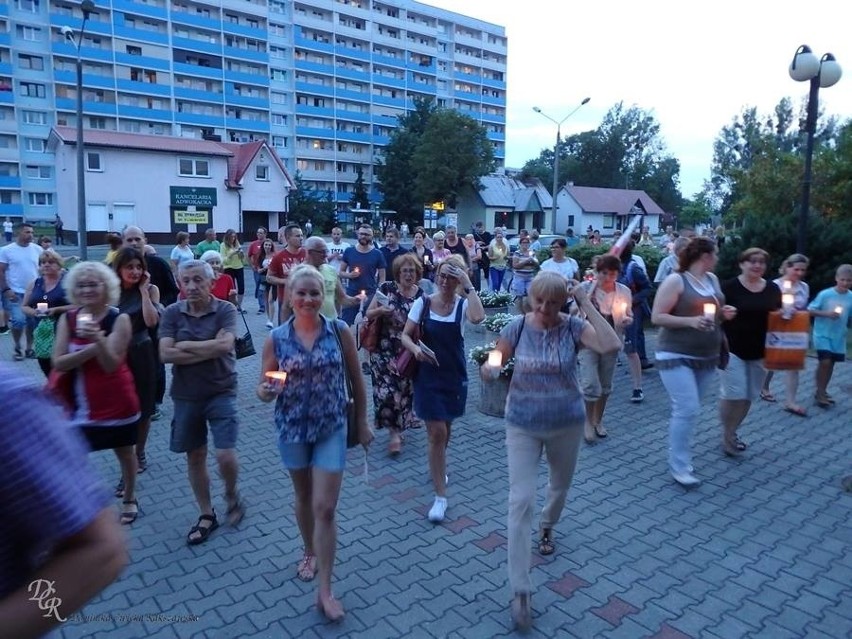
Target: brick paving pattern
760, 549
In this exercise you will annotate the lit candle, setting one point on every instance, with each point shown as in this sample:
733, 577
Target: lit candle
495, 359
356, 270
425, 259
276, 378
788, 286
622, 310
41, 308
838, 310
84, 318
788, 302
710, 312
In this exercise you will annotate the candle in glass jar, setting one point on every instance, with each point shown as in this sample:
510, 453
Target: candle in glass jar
622, 310
425, 259
710, 312
84, 318
495, 359
788, 302
276, 378
41, 307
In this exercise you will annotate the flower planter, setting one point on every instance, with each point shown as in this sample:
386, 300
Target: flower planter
492, 396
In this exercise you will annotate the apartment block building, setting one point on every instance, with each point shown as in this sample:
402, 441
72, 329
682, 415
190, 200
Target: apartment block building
321, 81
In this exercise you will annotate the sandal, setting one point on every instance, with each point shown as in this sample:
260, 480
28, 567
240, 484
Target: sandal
796, 410
119, 488
600, 431
236, 512
307, 567
739, 444
19, 355
545, 542
202, 532
767, 396
141, 463
823, 401
30, 353
521, 612
129, 512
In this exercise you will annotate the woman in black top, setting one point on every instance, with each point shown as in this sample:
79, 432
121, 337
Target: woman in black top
753, 297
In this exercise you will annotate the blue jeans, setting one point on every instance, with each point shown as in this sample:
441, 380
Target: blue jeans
686, 387
496, 277
16, 317
259, 290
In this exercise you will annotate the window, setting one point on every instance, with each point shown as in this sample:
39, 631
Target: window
32, 90
609, 221
193, 168
93, 161
26, 61
30, 34
131, 50
38, 172
261, 172
34, 117
97, 123
27, 5
34, 144
278, 119
5, 197
40, 199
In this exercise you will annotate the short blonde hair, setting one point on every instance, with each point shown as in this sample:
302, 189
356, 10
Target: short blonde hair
550, 285
439, 236
49, 255
102, 272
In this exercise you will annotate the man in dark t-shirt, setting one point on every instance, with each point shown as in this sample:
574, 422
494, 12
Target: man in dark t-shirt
391, 250
454, 243
363, 268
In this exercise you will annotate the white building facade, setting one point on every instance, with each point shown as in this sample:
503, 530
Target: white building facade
321, 81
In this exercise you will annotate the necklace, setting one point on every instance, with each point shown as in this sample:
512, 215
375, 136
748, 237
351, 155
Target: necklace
703, 286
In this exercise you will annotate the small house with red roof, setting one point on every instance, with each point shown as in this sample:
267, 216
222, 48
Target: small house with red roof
604, 210
168, 184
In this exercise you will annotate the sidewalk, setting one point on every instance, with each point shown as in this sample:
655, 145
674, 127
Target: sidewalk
761, 549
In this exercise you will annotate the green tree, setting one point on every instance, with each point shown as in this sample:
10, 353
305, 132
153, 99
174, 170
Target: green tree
360, 196
395, 170
307, 203
453, 152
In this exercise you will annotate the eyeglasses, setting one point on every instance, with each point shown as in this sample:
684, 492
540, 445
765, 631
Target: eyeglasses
444, 276
89, 284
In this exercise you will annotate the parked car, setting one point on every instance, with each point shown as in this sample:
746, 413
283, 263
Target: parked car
544, 240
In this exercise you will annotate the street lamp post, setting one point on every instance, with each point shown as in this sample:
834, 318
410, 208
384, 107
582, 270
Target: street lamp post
87, 7
556, 152
821, 73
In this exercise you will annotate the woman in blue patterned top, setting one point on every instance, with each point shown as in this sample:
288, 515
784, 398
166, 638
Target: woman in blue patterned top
544, 413
310, 419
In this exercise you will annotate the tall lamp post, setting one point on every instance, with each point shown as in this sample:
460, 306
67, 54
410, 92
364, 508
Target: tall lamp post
821, 73
88, 8
556, 151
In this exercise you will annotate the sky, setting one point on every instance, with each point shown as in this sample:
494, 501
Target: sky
694, 66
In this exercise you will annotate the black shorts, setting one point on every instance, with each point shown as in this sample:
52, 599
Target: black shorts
109, 437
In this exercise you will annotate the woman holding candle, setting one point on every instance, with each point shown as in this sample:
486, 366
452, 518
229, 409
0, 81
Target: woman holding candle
310, 418
613, 301
440, 252
424, 254
45, 301
91, 346
754, 298
440, 385
795, 295
832, 310
474, 255
393, 394
688, 308
544, 413
140, 301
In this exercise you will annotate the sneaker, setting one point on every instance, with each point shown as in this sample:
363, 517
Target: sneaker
438, 510
637, 395
30, 354
686, 479
157, 414
261, 311
4, 330
269, 324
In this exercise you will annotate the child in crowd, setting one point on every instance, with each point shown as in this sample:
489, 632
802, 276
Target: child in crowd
832, 309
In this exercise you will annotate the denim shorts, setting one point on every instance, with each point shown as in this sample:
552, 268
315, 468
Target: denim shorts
17, 319
328, 454
520, 286
189, 424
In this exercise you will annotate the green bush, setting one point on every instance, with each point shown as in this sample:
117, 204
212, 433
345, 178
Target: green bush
829, 244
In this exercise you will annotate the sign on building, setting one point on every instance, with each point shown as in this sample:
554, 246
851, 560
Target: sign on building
192, 196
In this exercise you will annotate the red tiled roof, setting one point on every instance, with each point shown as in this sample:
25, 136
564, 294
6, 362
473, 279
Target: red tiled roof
594, 199
163, 143
244, 155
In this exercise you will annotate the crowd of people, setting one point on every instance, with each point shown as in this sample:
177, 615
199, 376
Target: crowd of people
103, 332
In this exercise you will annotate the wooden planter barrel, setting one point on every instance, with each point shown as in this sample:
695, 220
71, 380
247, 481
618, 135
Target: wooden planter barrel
492, 396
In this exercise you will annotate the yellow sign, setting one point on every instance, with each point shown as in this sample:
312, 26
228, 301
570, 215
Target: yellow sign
438, 206
192, 217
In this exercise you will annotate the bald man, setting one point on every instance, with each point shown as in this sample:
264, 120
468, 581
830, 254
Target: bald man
161, 273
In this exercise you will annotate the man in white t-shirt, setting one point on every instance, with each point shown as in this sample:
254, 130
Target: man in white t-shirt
18, 268
7, 229
336, 248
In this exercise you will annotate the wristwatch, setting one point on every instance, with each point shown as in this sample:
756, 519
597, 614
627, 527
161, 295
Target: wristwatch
468, 290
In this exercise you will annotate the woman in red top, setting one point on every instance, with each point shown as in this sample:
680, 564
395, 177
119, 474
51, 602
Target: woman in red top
91, 347
224, 287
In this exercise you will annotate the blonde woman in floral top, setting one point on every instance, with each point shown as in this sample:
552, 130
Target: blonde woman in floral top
310, 420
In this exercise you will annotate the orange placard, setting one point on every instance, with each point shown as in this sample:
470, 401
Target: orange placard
787, 341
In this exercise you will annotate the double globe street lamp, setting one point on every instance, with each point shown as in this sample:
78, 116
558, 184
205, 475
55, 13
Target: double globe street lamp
821, 73
88, 8
558, 124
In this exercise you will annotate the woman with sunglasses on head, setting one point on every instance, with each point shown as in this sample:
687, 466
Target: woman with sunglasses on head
440, 384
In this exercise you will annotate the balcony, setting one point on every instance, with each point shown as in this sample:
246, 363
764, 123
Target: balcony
192, 44
325, 69
247, 125
148, 88
200, 119
10, 181
313, 45
315, 89
195, 20
147, 62
194, 69
139, 8
245, 54
199, 95
256, 33
354, 116
89, 79
143, 113
87, 53
312, 132
351, 74
11, 209
320, 112
260, 79
246, 101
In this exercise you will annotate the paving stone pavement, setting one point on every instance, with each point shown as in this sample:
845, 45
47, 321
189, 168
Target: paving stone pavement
760, 549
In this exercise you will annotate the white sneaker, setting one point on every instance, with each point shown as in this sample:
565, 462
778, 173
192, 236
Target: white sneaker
686, 479
269, 324
438, 510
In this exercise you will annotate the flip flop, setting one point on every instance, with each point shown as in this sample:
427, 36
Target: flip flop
796, 410
600, 432
766, 396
